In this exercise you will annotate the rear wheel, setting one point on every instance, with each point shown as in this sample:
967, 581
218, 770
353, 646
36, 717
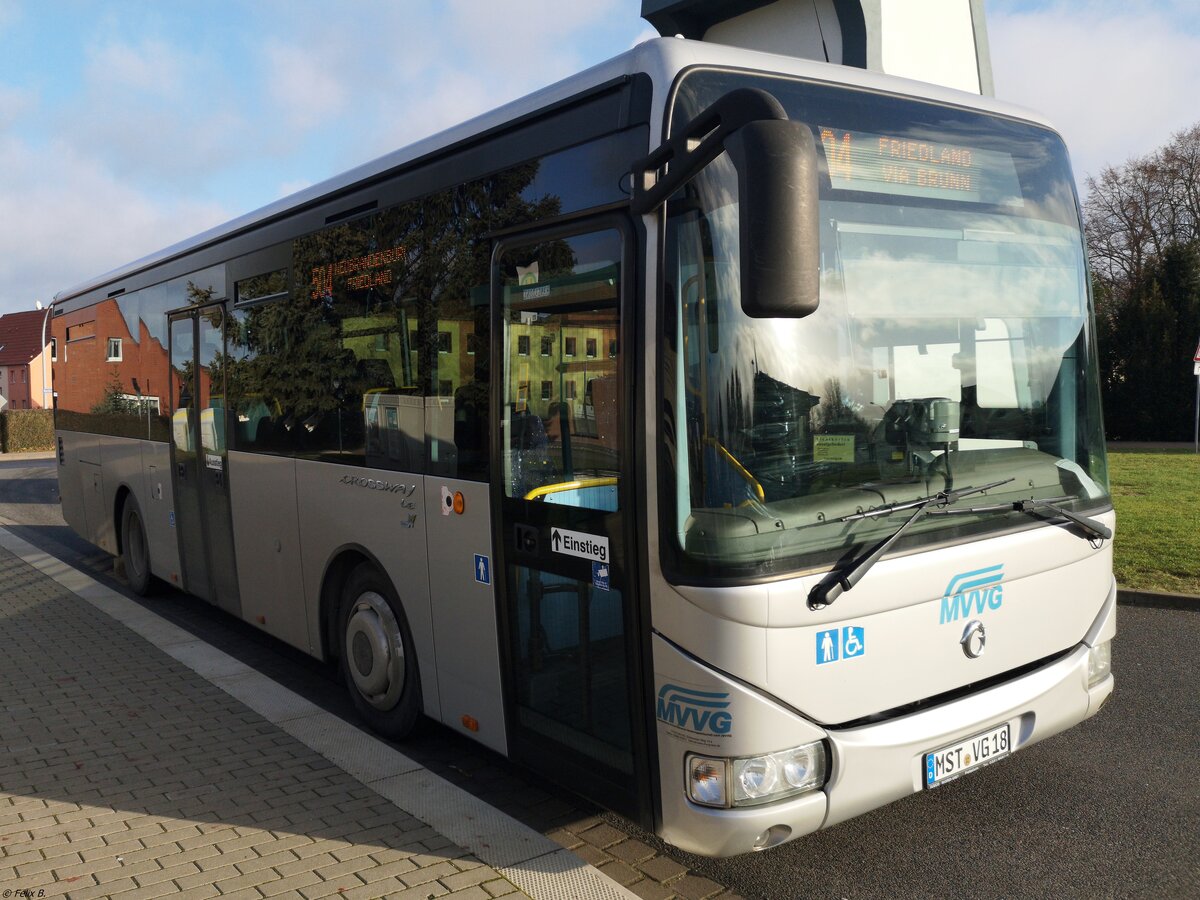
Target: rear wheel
135, 551
378, 662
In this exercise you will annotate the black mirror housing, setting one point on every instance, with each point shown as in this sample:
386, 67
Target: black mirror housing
778, 187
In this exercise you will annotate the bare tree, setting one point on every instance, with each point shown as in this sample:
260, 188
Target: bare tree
1135, 211
1143, 227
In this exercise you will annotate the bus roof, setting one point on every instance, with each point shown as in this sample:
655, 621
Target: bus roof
660, 58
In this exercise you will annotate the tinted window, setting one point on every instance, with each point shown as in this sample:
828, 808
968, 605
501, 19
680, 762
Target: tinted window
379, 356
111, 373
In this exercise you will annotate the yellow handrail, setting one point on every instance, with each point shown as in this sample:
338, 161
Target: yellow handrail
538, 493
739, 468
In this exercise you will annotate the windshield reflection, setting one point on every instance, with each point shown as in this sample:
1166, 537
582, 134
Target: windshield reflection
952, 346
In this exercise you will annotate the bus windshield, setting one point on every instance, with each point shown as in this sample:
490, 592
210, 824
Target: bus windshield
953, 346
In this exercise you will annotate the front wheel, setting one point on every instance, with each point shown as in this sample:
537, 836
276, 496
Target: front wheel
378, 661
135, 551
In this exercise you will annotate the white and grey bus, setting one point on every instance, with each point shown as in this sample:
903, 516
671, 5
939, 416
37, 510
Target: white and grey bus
715, 432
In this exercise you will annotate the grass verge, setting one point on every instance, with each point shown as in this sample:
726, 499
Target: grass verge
1157, 497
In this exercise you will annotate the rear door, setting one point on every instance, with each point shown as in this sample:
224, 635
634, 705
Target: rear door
563, 483
200, 456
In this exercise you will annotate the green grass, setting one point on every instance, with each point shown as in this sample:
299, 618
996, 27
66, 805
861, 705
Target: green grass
1157, 497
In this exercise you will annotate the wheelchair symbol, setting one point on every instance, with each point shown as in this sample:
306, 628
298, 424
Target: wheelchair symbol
853, 642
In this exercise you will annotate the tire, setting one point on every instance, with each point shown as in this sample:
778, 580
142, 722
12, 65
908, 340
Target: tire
135, 550
376, 654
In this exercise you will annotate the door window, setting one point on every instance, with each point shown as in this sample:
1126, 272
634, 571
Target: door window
563, 443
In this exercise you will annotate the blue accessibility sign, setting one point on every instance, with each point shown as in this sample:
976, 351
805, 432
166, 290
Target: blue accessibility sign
828, 644
483, 569
854, 642
835, 645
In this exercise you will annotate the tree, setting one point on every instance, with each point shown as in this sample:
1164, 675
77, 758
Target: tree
1143, 227
1135, 211
115, 401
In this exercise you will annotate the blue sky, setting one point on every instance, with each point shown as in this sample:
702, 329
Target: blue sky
126, 126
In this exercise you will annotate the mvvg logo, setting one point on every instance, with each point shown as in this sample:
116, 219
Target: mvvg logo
972, 592
699, 711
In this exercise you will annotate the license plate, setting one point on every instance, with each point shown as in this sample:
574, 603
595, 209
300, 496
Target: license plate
958, 759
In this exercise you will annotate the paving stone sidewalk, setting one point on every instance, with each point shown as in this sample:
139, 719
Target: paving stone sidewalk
123, 773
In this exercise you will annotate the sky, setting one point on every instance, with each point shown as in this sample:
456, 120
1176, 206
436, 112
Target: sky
128, 125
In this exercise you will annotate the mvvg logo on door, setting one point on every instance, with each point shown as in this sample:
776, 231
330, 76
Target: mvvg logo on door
701, 711
972, 592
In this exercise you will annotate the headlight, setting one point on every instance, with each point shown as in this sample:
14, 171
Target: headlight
1099, 663
753, 780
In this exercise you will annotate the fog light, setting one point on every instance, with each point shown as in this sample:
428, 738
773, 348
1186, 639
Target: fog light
1099, 663
772, 837
706, 780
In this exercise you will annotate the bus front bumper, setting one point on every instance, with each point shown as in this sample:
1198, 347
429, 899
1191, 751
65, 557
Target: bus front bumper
875, 764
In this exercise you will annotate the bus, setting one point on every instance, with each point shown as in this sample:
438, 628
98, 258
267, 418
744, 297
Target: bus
716, 433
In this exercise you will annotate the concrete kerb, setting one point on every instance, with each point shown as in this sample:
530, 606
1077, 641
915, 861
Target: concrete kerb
24, 455
531, 861
1158, 599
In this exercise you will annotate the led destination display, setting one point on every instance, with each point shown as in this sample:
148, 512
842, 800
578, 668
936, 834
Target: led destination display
891, 164
361, 272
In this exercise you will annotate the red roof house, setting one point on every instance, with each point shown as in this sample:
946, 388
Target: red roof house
21, 360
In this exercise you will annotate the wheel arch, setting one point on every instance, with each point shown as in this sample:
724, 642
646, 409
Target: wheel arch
344, 560
120, 498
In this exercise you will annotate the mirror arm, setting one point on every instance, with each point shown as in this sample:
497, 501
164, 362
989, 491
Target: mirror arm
697, 144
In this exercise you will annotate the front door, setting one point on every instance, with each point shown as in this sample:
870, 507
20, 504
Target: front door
200, 459
563, 485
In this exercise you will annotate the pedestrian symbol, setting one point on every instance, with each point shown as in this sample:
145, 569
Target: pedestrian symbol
483, 569
827, 647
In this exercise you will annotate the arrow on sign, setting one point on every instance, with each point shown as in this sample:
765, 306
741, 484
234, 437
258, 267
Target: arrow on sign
556, 537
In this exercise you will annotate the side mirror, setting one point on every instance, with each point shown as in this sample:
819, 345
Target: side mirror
778, 214
778, 193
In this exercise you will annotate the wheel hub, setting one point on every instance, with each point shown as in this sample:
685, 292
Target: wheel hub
375, 651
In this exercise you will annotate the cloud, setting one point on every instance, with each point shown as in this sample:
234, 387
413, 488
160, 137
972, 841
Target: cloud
64, 218
152, 67
121, 151
302, 82
154, 112
1117, 79
10, 12
14, 104
494, 54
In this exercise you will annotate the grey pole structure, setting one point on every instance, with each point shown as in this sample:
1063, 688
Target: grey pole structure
1196, 427
47, 388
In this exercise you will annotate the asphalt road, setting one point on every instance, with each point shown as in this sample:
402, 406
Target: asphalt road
1108, 809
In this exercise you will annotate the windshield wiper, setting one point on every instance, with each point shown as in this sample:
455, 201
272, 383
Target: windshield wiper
838, 581
1093, 527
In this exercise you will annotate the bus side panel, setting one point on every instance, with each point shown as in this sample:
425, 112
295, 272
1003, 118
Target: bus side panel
382, 512
266, 538
121, 463
463, 605
71, 477
157, 503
